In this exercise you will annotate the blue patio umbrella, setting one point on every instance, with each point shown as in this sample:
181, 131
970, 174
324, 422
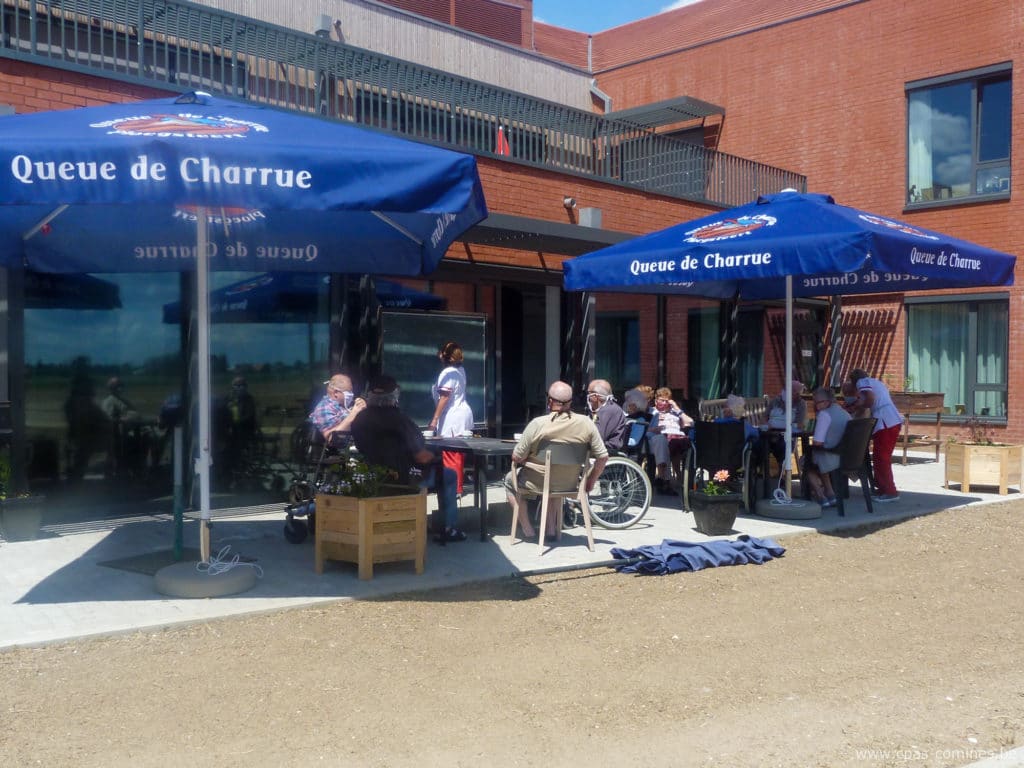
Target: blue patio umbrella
203, 183
785, 245
292, 297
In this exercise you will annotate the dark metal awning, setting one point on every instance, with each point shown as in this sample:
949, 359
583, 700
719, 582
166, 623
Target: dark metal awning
526, 234
678, 110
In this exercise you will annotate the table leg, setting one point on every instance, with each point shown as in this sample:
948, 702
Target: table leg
480, 491
439, 489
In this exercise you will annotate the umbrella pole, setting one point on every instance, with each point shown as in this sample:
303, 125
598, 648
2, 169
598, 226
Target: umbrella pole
203, 354
789, 386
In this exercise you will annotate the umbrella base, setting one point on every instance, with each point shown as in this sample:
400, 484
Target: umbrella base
797, 509
183, 580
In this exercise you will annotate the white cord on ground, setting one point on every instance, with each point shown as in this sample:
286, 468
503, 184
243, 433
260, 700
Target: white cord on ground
779, 496
218, 564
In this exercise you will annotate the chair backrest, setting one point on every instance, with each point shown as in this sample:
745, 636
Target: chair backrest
566, 453
635, 436
718, 445
755, 409
709, 410
854, 443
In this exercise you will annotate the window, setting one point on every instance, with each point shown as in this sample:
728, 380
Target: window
618, 349
708, 353
958, 136
960, 348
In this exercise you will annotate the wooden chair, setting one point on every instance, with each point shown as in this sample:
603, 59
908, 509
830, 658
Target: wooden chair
852, 449
572, 455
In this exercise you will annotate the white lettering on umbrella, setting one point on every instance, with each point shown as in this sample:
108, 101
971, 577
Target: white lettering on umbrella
718, 261
637, 267
830, 281
27, 171
202, 170
307, 253
956, 261
152, 252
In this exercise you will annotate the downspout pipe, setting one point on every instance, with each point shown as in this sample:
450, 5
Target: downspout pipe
604, 97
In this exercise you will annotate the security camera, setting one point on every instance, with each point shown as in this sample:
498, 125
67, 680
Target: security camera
569, 202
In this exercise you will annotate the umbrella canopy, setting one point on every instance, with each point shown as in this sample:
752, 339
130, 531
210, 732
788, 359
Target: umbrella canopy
291, 297
199, 183
785, 245
828, 249
118, 188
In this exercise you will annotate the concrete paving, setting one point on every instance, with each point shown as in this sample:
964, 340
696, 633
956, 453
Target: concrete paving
54, 589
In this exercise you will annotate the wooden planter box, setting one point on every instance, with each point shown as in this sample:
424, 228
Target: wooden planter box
970, 464
384, 529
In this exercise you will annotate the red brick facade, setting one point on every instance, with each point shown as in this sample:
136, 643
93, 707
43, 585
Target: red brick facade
813, 86
825, 96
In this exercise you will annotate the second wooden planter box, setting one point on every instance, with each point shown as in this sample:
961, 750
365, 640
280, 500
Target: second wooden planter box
974, 464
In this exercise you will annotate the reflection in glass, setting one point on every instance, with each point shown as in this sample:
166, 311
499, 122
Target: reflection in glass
100, 364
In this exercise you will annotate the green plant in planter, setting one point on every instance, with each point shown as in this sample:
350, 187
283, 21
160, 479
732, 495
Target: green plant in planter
355, 477
979, 431
718, 485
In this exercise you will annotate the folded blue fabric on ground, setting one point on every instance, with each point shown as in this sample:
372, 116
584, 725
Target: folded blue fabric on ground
673, 556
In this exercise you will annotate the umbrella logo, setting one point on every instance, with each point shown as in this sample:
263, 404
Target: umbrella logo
251, 285
219, 214
182, 125
729, 228
906, 229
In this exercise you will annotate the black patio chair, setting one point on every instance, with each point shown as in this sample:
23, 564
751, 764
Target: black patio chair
717, 446
852, 449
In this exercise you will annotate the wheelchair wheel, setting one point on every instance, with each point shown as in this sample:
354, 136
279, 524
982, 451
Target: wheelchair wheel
621, 495
295, 531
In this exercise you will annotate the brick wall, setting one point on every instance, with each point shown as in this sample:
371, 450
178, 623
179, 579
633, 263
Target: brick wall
824, 96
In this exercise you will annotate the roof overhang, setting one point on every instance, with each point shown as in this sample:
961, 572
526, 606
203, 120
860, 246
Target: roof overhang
669, 112
522, 233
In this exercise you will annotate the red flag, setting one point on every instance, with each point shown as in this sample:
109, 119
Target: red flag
501, 146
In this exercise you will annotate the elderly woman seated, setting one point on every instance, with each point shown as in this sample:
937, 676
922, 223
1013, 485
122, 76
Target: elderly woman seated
666, 438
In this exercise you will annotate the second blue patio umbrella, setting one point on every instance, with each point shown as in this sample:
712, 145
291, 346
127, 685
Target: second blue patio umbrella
785, 245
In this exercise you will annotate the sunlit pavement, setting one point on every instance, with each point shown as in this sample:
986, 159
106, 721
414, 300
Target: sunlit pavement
54, 588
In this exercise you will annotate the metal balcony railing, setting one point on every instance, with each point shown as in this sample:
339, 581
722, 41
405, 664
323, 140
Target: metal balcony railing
183, 46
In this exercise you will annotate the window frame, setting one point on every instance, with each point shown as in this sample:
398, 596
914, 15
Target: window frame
971, 385
977, 78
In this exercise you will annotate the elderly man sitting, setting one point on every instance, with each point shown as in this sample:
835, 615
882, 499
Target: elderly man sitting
560, 425
386, 436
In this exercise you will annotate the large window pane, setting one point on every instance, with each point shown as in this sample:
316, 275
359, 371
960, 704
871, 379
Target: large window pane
78, 339
958, 139
960, 349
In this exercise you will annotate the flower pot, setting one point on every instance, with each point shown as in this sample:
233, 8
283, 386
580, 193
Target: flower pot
715, 515
21, 518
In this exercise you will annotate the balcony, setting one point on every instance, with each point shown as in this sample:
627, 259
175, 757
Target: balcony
182, 46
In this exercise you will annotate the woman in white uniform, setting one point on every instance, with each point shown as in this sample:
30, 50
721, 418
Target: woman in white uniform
452, 415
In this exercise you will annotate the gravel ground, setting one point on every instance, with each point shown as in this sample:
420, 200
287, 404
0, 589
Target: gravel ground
893, 645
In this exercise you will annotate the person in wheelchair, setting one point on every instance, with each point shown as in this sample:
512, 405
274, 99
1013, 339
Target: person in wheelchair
667, 438
337, 409
608, 416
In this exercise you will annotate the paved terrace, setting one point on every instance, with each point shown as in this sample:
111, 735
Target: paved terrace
54, 588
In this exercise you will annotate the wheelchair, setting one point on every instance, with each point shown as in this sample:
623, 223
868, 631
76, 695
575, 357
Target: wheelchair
622, 494
314, 456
